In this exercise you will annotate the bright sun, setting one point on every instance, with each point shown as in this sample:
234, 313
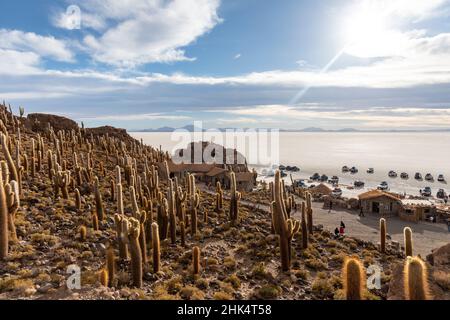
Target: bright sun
366, 32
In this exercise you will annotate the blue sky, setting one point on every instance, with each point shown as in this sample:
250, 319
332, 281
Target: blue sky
369, 64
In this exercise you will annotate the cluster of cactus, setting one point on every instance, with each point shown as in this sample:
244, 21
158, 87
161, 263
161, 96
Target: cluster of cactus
284, 227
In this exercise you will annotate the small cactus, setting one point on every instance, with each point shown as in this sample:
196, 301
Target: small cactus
95, 225
354, 279
83, 233
104, 278
196, 260
407, 235
415, 279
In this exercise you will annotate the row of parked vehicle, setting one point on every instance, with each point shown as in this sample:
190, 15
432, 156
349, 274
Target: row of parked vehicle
417, 176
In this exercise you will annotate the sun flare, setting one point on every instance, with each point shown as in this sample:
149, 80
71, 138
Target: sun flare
366, 32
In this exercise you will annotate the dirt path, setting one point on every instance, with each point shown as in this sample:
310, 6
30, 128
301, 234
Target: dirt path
426, 236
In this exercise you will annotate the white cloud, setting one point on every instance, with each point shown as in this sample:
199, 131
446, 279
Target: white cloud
136, 32
18, 63
45, 46
137, 117
237, 56
378, 117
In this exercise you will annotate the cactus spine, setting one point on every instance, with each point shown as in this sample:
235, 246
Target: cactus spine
407, 234
156, 248
354, 279
234, 201
415, 279
383, 235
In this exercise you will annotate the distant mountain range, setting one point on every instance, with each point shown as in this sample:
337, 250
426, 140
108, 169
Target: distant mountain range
191, 128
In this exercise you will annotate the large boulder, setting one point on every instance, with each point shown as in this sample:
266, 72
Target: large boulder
38, 122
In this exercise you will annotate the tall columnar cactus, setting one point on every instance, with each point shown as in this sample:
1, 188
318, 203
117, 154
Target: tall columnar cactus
98, 200
113, 190
234, 201
180, 198
407, 235
163, 218
11, 165
309, 212
219, 198
121, 232
13, 203
415, 280
383, 235
134, 204
136, 253
120, 199
353, 279
193, 203
111, 266
171, 212
182, 233
196, 260
61, 181
285, 228
142, 237
156, 250
304, 227
3, 221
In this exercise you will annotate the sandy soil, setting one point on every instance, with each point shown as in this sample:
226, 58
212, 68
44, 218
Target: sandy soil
426, 236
